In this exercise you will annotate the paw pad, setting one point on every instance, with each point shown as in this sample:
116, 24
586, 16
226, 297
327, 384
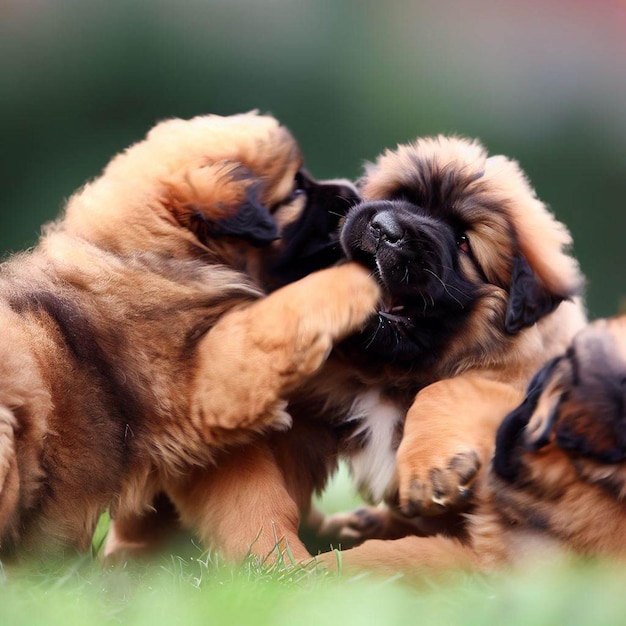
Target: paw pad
445, 488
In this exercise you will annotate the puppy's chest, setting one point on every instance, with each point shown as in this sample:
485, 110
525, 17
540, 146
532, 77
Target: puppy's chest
371, 446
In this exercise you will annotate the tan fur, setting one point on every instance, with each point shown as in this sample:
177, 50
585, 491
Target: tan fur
562, 500
455, 403
116, 324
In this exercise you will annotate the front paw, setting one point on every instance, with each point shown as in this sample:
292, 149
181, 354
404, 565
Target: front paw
337, 301
300, 324
437, 485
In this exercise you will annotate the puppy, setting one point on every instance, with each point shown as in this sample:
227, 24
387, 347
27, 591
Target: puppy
124, 323
557, 482
478, 290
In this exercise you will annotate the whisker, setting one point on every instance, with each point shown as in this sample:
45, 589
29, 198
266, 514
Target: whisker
463, 293
371, 341
346, 200
445, 287
424, 299
452, 269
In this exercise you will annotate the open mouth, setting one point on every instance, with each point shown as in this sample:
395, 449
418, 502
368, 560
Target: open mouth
392, 309
396, 314
402, 310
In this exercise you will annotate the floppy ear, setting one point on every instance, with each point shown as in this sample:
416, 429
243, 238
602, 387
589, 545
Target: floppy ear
529, 298
511, 435
218, 200
251, 222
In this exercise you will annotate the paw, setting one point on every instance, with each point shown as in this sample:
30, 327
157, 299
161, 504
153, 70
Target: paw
325, 307
354, 526
357, 288
339, 299
432, 489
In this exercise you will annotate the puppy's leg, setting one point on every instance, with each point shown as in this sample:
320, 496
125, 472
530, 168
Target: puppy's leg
410, 556
381, 522
449, 435
132, 536
241, 507
351, 528
9, 478
253, 357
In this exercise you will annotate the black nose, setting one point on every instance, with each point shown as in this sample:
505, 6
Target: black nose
386, 227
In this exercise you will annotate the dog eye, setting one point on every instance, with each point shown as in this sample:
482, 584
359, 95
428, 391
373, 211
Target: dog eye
462, 243
299, 187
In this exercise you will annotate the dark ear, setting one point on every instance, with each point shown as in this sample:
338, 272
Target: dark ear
510, 442
311, 242
529, 299
251, 222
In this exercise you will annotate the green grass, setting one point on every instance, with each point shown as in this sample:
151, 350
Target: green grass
199, 589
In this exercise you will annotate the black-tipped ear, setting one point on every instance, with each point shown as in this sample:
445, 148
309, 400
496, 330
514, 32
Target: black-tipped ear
529, 298
252, 222
510, 436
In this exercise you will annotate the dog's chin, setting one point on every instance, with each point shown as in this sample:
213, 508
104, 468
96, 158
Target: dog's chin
385, 340
391, 335
417, 314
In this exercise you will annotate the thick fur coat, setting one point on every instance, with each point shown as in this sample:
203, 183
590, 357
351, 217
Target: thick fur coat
141, 303
478, 289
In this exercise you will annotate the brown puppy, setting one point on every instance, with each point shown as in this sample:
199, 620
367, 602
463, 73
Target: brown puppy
121, 326
558, 478
478, 291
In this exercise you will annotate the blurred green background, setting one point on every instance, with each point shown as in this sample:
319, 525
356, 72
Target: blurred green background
540, 80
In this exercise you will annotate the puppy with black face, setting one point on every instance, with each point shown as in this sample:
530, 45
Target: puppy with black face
478, 290
416, 257
122, 324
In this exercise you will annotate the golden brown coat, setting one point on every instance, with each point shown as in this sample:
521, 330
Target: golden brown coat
478, 290
120, 326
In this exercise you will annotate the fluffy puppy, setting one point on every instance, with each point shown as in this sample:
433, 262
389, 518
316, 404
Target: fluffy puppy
478, 290
123, 323
557, 482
